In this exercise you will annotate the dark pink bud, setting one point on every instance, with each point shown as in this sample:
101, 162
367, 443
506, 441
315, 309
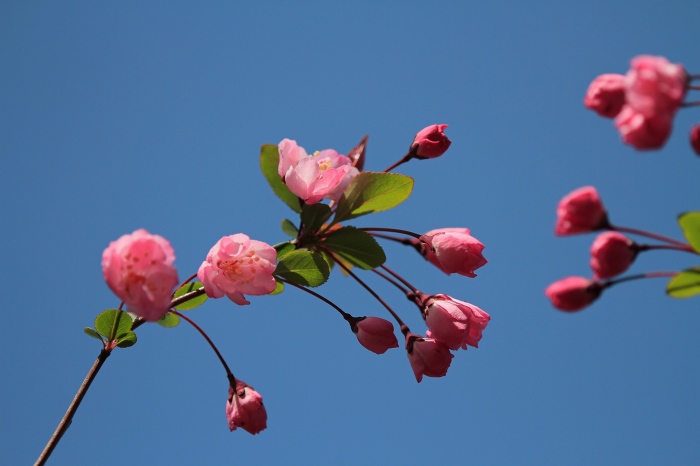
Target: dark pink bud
606, 95
573, 293
453, 250
580, 211
641, 131
456, 323
245, 409
375, 334
655, 86
611, 254
695, 138
431, 142
428, 356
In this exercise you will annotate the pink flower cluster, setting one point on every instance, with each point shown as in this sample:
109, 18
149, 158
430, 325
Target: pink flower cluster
643, 102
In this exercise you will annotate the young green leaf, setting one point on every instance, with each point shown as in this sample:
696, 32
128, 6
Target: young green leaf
90, 332
127, 340
690, 224
685, 284
356, 247
190, 303
279, 287
303, 267
283, 248
315, 215
169, 320
269, 161
113, 323
373, 192
289, 228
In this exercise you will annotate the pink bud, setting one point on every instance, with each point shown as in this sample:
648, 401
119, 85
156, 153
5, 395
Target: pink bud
428, 356
606, 95
237, 265
245, 409
611, 254
573, 293
655, 86
453, 250
375, 334
139, 269
454, 322
695, 138
641, 131
580, 211
431, 142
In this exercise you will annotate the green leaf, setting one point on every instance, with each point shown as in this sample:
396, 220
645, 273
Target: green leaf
690, 224
685, 284
283, 248
289, 228
278, 288
315, 215
90, 332
303, 267
356, 247
113, 323
269, 161
373, 192
127, 340
190, 303
169, 320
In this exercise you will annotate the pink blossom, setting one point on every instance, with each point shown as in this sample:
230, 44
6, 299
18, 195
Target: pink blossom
573, 293
237, 265
139, 269
453, 250
611, 254
641, 131
695, 138
655, 86
428, 356
580, 211
245, 409
431, 142
375, 334
454, 322
606, 95
322, 175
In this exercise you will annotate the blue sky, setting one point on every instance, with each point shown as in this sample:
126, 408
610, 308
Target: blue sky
115, 117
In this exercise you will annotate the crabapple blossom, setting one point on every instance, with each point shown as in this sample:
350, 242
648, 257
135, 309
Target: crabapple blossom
453, 250
641, 131
375, 334
611, 254
655, 86
456, 323
573, 293
695, 138
431, 142
606, 95
245, 409
427, 356
580, 211
237, 265
139, 269
322, 175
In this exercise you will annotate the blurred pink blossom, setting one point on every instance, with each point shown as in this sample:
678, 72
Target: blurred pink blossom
655, 86
580, 211
611, 254
641, 131
606, 95
573, 293
695, 138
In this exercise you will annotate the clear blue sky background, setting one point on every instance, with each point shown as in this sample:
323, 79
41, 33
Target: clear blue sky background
118, 116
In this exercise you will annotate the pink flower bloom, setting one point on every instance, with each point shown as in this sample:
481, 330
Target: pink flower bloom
375, 334
139, 269
655, 86
573, 293
323, 175
580, 211
611, 254
245, 409
428, 356
431, 142
606, 95
695, 138
453, 250
237, 265
641, 131
454, 322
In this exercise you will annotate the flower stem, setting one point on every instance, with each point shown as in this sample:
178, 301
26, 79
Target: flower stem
392, 230
68, 417
229, 374
647, 247
401, 279
634, 231
610, 283
345, 315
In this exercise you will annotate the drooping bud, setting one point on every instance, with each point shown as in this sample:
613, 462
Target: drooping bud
580, 211
374, 333
245, 409
611, 254
427, 356
573, 293
453, 250
606, 95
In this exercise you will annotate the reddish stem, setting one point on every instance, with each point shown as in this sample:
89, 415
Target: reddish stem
635, 231
229, 374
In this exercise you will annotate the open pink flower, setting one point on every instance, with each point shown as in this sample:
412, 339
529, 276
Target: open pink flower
427, 356
375, 334
453, 250
245, 409
573, 293
139, 269
431, 142
611, 254
655, 86
237, 265
456, 323
322, 175
580, 211
606, 95
643, 132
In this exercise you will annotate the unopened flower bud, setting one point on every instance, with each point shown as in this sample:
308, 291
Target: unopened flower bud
573, 293
245, 409
606, 95
453, 250
431, 142
611, 254
695, 138
456, 323
428, 356
375, 334
641, 131
580, 211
